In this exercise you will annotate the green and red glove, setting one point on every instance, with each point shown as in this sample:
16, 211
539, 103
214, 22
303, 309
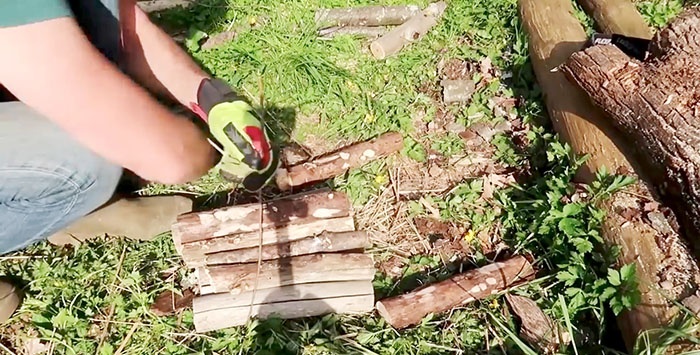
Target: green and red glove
250, 157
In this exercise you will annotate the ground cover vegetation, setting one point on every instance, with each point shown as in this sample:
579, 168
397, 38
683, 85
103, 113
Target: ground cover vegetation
322, 93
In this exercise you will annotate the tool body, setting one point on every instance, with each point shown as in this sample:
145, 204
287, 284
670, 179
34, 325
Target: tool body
249, 155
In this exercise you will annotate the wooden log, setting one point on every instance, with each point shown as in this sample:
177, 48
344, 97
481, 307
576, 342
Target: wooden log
616, 16
408, 32
360, 31
230, 317
325, 242
410, 308
149, 6
337, 162
366, 16
194, 253
292, 212
239, 278
659, 255
655, 104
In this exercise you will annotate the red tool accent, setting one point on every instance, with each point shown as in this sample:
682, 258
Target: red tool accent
259, 143
198, 111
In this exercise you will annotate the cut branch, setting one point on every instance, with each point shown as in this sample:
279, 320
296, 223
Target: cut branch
408, 32
409, 309
360, 31
660, 255
292, 214
239, 278
322, 243
365, 16
236, 316
338, 162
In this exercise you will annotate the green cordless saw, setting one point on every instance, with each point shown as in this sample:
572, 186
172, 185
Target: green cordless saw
249, 156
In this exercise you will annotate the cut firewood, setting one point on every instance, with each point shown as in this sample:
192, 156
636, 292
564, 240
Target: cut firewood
338, 162
371, 15
149, 6
195, 252
554, 34
360, 31
237, 316
295, 212
655, 103
321, 243
536, 327
237, 278
616, 16
410, 308
408, 32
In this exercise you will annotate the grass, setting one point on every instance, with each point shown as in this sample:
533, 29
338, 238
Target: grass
96, 298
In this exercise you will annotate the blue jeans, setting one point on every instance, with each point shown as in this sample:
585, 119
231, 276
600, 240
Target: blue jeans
47, 179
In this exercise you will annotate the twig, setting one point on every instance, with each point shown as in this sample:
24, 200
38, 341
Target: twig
3, 347
126, 339
111, 308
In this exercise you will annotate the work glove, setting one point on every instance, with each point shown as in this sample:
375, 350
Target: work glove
248, 155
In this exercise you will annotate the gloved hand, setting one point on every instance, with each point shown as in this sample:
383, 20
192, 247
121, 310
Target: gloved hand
249, 157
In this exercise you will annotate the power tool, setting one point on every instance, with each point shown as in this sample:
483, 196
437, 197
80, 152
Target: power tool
249, 156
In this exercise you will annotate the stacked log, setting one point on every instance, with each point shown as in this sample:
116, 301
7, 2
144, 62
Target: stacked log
297, 256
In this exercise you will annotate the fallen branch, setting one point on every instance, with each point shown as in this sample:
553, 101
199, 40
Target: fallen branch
410, 308
365, 16
408, 32
360, 31
239, 278
336, 163
616, 16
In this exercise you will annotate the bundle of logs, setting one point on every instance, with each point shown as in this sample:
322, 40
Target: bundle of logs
308, 260
409, 22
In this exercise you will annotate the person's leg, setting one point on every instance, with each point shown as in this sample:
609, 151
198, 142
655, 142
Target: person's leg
48, 179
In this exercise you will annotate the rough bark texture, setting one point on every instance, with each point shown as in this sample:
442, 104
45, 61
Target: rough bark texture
237, 316
322, 243
371, 15
340, 161
361, 31
655, 103
410, 308
616, 16
194, 253
244, 220
662, 259
239, 278
408, 32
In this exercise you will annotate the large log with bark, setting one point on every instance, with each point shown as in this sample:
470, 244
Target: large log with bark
336, 163
656, 104
635, 221
617, 16
410, 308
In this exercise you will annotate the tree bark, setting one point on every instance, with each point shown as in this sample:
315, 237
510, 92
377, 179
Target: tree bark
336, 163
371, 15
322, 243
362, 31
410, 308
408, 32
244, 222
663, 261
656, 104
616, 16
239, 278
194, 253
237, 316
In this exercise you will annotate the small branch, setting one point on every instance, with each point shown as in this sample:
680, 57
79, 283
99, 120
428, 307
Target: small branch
409, 32
365, 16
360, 31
